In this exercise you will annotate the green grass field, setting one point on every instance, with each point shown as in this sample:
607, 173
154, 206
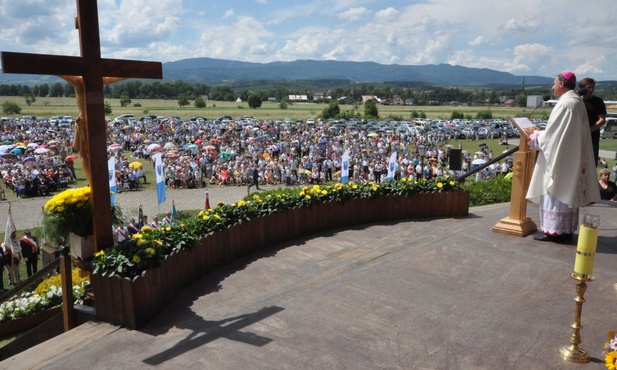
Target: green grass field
47, 107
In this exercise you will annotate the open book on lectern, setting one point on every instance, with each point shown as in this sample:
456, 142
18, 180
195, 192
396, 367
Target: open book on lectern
522, 123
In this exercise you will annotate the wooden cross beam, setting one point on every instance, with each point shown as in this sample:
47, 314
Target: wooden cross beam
89, 71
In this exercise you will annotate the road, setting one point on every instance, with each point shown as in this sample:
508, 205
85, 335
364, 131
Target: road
28, 212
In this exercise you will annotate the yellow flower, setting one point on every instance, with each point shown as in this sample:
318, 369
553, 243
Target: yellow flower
374, 188
99, 253
439, 185
137, 236
255, 197
141, 242
136, 259
145, 228
324, 192
158, 242
308, 196
217, 217
451, 183
167, 228
220, 204
201, 214
150, 251
611, 360
241, 203
354, 186
301, 194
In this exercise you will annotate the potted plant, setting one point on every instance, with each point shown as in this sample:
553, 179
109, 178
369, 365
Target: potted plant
68, 215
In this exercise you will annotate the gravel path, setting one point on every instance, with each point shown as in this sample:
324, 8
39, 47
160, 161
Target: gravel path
28, 212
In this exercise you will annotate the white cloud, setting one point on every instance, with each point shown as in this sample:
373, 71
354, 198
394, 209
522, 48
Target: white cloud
530, 38
244, 39
480, 40
387, 14
354, 14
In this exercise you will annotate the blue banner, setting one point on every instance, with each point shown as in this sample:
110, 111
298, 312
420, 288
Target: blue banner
111, 172
345, 167
160, 179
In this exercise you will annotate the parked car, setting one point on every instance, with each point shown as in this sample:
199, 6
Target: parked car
483, 133
609, 131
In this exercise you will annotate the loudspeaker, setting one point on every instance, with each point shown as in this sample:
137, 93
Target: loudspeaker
456, 159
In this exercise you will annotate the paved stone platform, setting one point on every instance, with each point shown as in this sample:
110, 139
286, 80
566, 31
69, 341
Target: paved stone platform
425, 294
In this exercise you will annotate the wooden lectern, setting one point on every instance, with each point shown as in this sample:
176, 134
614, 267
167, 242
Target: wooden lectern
517, 223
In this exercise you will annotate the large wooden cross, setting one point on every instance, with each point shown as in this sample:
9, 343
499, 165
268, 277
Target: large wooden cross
89, 72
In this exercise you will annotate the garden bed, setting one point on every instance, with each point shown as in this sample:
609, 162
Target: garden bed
132, 302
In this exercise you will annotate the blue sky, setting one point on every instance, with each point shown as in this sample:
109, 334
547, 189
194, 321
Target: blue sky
523, 37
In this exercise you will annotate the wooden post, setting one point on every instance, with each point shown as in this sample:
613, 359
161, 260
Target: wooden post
92, 69
517, 223
67, 289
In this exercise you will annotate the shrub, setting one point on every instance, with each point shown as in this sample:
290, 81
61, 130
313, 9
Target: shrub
481, 193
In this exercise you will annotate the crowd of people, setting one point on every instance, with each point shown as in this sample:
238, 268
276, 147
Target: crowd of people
36, 158
198, 153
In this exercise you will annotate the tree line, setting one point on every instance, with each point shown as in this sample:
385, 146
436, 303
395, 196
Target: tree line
422, 94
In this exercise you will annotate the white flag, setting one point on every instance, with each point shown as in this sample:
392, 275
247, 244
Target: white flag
10, 228
391, 166
160, 178
345, 167
111, 170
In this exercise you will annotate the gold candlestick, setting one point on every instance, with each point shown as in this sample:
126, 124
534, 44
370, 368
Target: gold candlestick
572, 352
583, 270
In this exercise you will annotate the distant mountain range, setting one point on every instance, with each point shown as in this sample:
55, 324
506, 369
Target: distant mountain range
208, 70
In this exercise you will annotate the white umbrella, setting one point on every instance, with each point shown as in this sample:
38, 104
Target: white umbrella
114, 147
154, 147
169, 146
41, 150
478, 161
33, 145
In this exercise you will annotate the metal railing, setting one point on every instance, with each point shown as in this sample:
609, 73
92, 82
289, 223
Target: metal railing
483, 166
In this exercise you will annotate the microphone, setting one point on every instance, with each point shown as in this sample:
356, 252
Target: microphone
545, 98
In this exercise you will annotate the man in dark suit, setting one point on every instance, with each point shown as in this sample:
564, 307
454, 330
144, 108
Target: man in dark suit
255, 178
30, 251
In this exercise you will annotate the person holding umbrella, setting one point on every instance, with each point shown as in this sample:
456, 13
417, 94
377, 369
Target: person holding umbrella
70, 163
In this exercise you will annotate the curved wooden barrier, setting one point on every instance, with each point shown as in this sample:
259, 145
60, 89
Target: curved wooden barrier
134, 302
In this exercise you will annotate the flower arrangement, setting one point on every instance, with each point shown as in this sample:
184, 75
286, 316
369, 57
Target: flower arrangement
610, 351
48, 294
71, 211
149, 248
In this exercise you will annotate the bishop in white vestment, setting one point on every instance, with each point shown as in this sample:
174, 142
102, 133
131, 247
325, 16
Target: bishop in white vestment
564, 177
